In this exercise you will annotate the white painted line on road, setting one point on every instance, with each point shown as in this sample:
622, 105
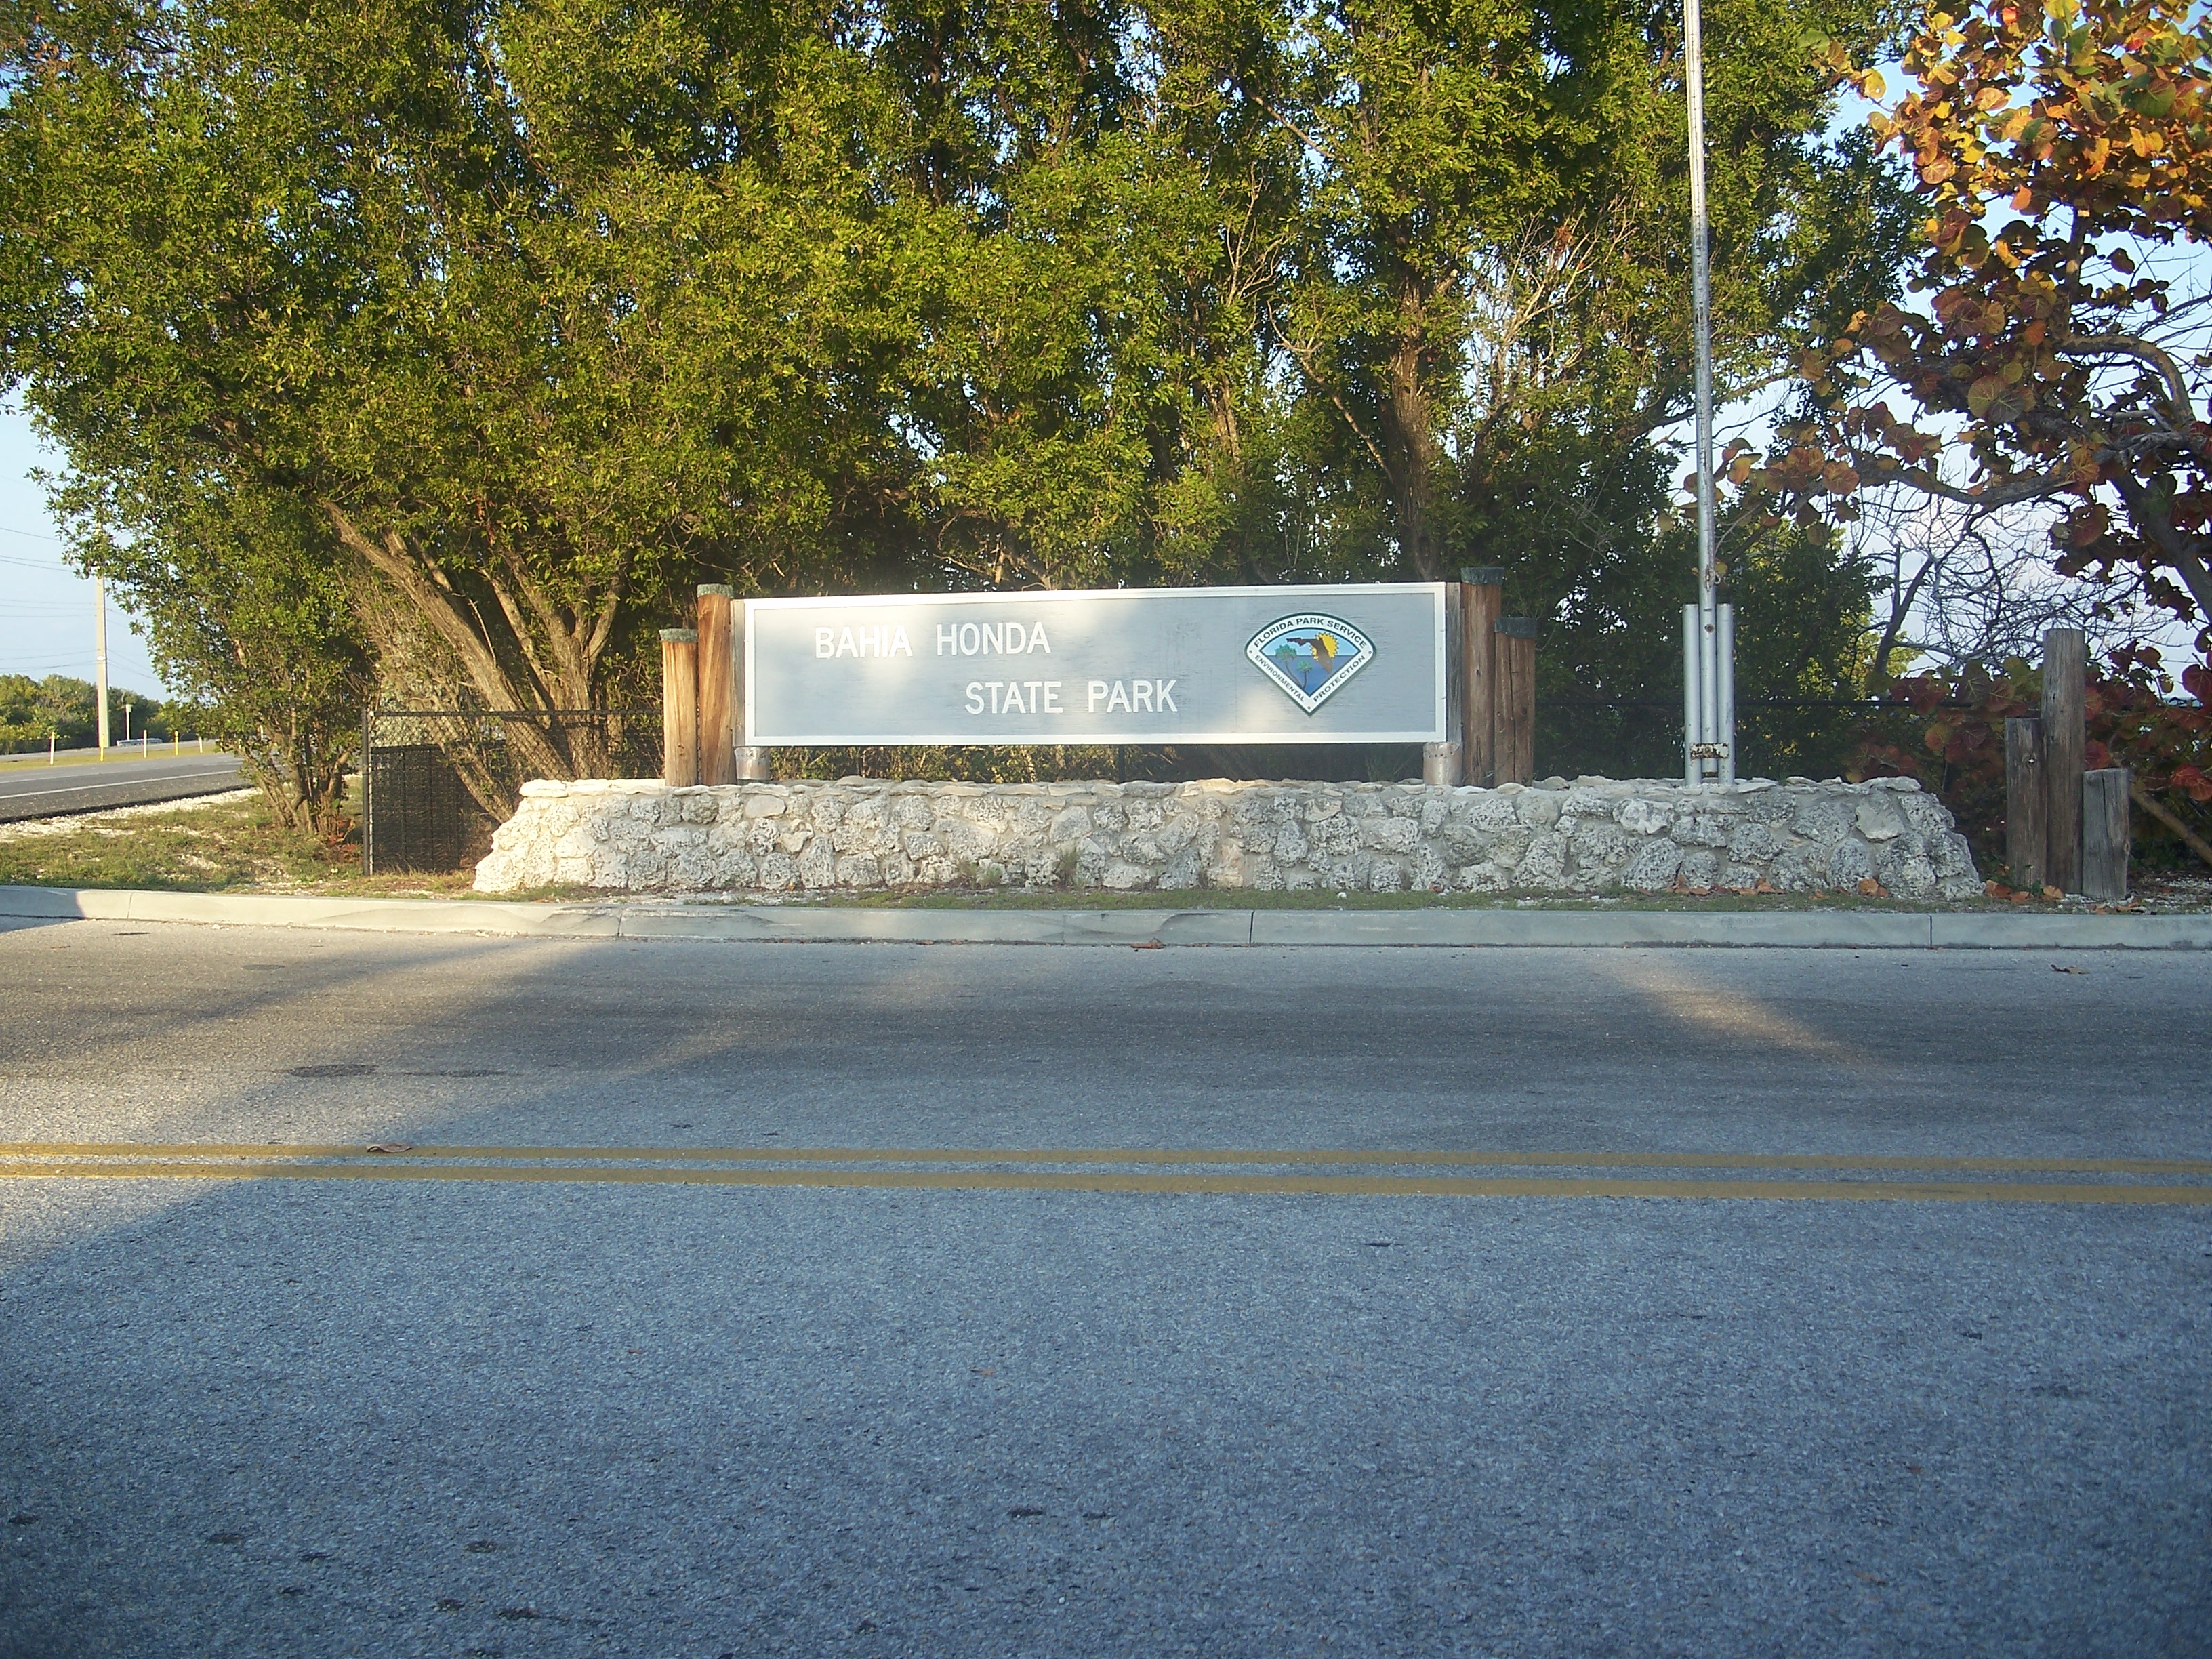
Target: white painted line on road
120, 783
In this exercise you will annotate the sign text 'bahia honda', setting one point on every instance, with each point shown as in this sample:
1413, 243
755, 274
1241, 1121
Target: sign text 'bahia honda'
1155, 666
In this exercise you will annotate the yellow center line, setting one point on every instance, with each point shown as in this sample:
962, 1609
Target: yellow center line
1288, 1157
1970, 1192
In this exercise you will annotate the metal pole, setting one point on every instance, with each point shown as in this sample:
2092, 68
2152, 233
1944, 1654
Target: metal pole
100, 656
1708, 737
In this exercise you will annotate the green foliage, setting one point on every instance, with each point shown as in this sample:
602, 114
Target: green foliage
68, 710
449, 346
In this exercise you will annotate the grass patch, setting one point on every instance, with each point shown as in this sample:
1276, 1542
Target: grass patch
209, 847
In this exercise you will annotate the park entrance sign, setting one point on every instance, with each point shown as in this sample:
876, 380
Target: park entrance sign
1356, 664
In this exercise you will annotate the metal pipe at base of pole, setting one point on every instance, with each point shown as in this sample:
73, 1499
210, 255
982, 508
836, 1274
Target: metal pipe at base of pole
1693, 719
1724, 704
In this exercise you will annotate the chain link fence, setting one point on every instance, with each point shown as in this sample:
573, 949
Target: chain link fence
438, 781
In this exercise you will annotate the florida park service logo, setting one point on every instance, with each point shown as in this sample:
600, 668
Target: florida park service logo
1311, 657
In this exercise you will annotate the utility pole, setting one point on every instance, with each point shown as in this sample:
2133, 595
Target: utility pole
100, 656
1708, 626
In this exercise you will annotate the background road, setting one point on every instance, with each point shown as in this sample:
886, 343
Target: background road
38, 791
390, 1411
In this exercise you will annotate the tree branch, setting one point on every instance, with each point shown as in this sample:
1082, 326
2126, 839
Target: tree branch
2190, 838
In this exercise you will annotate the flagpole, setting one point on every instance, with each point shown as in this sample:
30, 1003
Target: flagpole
1708, 750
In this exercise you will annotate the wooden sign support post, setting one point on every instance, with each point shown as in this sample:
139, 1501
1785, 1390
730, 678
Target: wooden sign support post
679, 707
1481, 593
1516, 699
718, 689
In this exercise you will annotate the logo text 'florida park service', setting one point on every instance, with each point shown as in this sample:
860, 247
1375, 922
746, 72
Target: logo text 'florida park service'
1311, 656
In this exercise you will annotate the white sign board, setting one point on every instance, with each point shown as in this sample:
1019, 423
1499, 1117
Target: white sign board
1153, 665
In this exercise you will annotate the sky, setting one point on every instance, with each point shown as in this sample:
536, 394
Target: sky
46, 608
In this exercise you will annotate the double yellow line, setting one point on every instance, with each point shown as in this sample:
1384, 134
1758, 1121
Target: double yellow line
1345, 1172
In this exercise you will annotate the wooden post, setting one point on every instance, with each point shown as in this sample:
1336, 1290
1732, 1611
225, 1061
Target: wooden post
718, 688
2105, 833
1481, 593
679, 707
2065, 660
2025, 801
1516, 699
1441, 762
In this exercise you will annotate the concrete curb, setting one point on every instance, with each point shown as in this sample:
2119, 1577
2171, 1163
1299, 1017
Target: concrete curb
1858, 930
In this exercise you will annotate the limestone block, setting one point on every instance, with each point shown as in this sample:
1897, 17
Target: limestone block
1545, 863
1700, 867
1825, 817
1386, 876
817, 862
912, 812
1907, 875
1182, 872
1802, 868
1740, 875
737, 867
1226, 866
1651, 867
1598, 843
1959, 887
778, 873
1851, 863
1924, 813
1435, 810
1704, 827
1363, 804
860, 869
1484, 878
1493, 814
766, 802
1642, 815
1507, 848
544, 788
1349, 871
1340, 837
1290, 844
700, 805
1754, 840
1110, 816
1143, 848
1123, 876
1072, 823
1393, 835
1877, 818
1953, 857
1537, 808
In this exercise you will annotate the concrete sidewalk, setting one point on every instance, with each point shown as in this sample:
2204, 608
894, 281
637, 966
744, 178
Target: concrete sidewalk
808, 924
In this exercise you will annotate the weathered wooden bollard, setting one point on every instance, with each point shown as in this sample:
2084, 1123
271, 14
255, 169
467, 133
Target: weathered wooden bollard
2065, 737
2105, 837
679, 707
2027, 802
2065, 827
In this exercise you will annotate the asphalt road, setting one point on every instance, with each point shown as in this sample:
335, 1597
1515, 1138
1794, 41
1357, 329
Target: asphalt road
473, 1397
38, 791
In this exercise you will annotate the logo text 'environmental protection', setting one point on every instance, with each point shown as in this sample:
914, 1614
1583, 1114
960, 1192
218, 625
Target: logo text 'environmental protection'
1310, 656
